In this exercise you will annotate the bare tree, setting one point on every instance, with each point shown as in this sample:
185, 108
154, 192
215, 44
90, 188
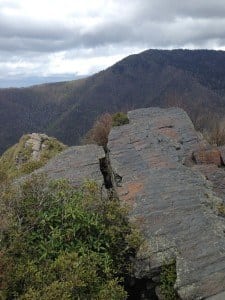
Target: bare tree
98, 134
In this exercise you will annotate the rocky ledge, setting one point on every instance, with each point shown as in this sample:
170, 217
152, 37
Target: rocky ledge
173, 182
76, 164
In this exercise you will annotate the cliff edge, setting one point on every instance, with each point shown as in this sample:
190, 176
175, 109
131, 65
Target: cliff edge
173, 182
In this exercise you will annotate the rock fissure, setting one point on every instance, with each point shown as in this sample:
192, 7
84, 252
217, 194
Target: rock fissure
168, 126
177, 210
104, 167
170, 199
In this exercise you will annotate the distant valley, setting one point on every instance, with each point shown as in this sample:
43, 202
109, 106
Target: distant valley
193, 80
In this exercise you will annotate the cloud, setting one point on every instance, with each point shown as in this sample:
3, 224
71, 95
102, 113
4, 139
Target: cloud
54, 36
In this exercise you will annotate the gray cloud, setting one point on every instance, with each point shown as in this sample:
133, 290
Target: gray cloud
166, 10
150, 22
137, 24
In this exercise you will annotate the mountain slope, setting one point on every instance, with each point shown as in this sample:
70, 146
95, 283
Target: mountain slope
32, 109
194, 80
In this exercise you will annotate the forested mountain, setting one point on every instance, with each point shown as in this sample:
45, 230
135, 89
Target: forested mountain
191, 79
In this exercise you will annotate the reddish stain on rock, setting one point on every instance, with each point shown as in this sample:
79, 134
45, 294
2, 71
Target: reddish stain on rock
207, 156
158, 160
129, 192
169, 132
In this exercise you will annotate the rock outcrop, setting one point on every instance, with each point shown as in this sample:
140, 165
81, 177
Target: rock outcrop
171, 201
77, 164
37, 143
30, 153
173, 182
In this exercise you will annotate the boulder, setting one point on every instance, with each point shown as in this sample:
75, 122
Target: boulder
36, 141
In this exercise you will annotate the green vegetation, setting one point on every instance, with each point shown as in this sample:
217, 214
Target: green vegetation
167, 280
119, 119
17, 160
58, 242
221, 209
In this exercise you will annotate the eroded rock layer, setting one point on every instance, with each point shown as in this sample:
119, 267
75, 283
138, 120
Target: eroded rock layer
173, 182
76, 164
153, 160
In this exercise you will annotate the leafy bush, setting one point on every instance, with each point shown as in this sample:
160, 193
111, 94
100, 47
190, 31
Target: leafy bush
119, 119
59, 242
167, 280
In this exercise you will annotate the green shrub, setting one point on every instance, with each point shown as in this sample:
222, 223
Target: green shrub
167, 280
119, 119
30, 166
3, 176
221, 209
63, 243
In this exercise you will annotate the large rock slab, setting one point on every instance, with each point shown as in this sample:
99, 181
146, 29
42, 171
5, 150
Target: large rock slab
172, 203
76, 164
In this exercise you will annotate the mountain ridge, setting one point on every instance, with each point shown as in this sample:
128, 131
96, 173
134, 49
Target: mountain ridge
191, 79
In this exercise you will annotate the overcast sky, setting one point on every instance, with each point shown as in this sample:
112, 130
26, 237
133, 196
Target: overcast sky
48, 40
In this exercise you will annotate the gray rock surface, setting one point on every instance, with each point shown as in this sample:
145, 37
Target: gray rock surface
172, 202
169, 177
216, 176
220, 296
76, 164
